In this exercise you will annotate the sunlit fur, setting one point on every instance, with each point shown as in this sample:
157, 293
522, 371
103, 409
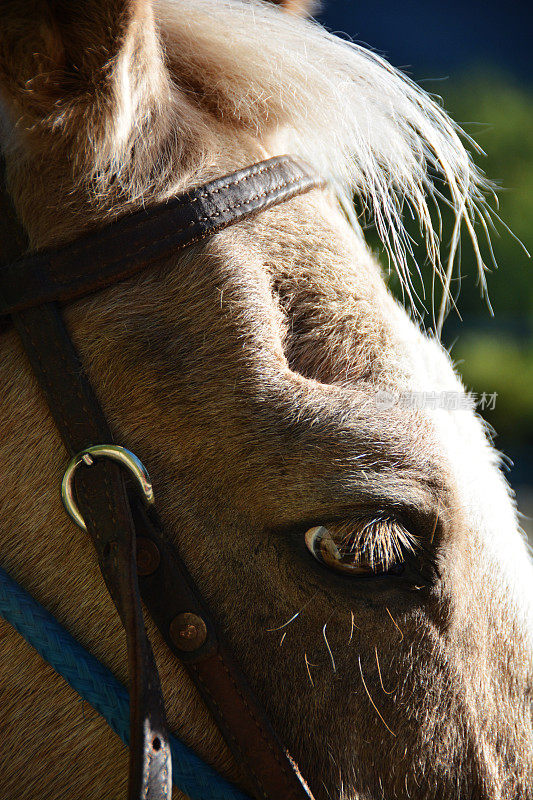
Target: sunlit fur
246, 374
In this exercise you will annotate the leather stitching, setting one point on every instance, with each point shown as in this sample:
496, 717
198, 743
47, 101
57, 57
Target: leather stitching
219, 213
146, 771
74, 248
57, 280
252, 173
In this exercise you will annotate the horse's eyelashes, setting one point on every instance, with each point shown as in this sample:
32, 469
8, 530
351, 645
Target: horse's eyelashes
361, 547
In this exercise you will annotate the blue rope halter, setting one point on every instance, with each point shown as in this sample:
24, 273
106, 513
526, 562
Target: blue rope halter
99, 687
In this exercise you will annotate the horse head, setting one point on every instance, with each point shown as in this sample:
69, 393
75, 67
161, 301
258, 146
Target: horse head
313, 452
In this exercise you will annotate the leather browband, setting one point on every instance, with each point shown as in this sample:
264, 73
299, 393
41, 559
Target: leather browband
132, 243
118, 524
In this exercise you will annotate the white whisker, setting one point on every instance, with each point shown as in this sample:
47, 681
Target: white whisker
294, 616
395, 623
329, 648
308, 665
352, 626
376, 709
280, 627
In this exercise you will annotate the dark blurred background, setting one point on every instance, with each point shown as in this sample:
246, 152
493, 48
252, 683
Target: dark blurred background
477, 57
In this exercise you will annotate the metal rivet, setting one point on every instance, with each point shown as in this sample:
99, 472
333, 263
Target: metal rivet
188, 631
148, 556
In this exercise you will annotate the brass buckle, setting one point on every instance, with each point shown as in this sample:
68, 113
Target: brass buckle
115, 453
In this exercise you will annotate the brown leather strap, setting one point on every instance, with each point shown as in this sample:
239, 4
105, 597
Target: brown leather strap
102, 499
29, 286
134, 242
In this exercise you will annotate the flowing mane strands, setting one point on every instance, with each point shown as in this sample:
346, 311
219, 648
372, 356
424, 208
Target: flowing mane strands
300, 89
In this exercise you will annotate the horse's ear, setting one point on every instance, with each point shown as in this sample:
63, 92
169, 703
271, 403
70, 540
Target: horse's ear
58, 46
300, 7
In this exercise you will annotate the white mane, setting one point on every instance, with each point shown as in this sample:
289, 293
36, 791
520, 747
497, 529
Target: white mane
343, 108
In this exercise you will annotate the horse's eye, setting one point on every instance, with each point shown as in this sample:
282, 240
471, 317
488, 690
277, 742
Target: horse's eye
332, 554
344, 553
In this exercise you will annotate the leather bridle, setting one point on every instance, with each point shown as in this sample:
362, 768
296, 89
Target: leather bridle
135, 557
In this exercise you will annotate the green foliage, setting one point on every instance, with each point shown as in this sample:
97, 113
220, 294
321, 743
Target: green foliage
499, 116
491, 363
500, 357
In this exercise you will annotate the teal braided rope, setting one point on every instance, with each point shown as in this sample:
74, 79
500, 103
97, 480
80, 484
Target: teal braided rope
99, 687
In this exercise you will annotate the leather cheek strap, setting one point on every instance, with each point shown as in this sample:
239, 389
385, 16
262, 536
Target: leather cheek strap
103, 502
171, 595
